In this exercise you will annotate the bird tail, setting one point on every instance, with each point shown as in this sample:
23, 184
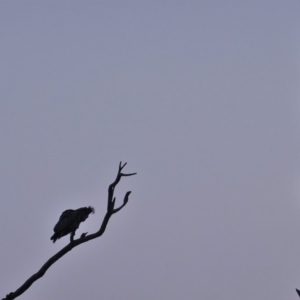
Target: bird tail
54, 238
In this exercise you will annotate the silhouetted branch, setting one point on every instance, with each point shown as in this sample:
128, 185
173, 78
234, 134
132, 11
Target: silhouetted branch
84, 237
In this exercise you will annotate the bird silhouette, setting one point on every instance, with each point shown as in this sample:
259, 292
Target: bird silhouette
69, 222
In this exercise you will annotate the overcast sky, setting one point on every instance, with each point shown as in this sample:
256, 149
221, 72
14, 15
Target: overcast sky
200, 98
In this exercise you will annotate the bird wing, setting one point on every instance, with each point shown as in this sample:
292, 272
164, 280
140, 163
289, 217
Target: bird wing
66, 219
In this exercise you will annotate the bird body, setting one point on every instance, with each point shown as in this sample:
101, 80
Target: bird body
69, 222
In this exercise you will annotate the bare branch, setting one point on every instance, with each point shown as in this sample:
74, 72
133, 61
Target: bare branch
124, 202
83, 238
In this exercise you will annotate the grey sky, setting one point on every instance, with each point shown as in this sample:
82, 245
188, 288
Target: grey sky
200, 98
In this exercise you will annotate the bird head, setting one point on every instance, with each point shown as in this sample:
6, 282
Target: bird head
85, 211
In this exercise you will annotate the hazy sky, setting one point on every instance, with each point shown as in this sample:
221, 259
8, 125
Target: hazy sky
201, 98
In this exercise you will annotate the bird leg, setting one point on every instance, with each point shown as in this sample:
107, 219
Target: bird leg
72, 237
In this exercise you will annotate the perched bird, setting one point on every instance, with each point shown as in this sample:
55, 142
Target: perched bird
69, 221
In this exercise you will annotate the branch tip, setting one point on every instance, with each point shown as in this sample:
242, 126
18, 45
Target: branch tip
126, 198
130, 174
83, 235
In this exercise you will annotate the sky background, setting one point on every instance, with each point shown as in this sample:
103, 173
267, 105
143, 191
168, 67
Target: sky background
200, 98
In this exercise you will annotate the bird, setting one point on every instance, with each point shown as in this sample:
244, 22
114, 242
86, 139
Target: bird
69, 222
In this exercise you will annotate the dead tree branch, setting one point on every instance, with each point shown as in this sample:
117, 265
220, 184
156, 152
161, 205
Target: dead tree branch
84, 237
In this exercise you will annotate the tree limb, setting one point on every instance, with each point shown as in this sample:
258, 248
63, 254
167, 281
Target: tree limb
84, 237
